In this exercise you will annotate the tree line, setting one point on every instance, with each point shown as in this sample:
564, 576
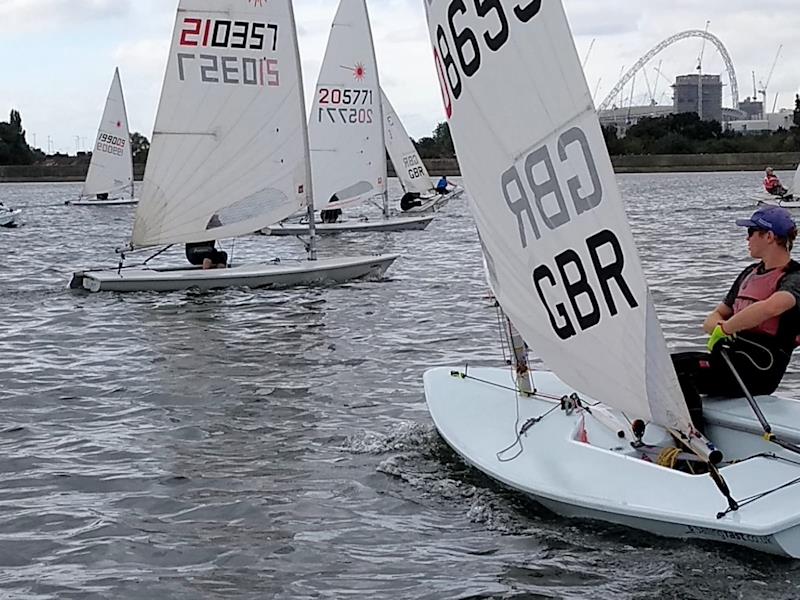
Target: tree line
682, 133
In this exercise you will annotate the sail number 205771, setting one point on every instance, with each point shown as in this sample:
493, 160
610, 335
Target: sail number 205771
459, 48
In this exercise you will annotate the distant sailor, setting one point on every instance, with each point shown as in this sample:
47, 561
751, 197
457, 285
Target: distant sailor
759, 318
206, 254
409, 201
331, 215
102, 196
441, 186
772, 184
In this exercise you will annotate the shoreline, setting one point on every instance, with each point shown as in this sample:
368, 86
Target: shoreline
652, 163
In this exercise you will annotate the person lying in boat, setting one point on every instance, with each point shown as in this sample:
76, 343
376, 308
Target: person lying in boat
332, 215
205, 254
410, 200
102, 196
773, 185
442, 185
758, 321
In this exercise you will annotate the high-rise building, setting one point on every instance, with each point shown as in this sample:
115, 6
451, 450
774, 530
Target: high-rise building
686, 96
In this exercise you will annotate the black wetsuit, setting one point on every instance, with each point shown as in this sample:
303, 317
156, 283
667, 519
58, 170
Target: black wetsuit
410, 200
197, 252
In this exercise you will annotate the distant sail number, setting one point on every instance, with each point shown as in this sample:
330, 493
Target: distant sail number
345, 96
230, 69
110, 144
347, 116
462, 42
413, 167
240, 35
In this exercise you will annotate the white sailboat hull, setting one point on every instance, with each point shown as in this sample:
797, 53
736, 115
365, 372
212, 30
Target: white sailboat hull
8, 218
378, 225
111, 202
278, 275
606, 479
434, 203
772, 200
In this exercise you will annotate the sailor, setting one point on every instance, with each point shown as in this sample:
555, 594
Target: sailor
772, 184
441, 186
410, 200
102, 196
331, 215
758, 321
206, 254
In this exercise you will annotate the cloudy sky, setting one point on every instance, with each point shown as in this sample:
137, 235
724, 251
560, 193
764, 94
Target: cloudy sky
59, 55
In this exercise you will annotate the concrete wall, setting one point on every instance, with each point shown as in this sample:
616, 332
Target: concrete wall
651, 163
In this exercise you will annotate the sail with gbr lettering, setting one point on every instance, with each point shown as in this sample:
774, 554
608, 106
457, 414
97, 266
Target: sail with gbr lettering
229, 152
408, 165
111, 168
345, 129
557, 243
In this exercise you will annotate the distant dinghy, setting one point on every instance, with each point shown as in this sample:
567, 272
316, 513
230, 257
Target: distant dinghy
346, 136
408, 165
229, 155
109, 181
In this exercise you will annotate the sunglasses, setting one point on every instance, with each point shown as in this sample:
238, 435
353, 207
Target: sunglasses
752, 230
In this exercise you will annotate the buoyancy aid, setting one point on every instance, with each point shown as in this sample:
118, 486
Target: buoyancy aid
771, 182
756, 287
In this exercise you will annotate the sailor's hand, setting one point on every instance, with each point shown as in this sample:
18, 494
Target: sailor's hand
717, 336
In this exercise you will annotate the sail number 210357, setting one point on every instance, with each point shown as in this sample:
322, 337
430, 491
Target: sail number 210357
459, 48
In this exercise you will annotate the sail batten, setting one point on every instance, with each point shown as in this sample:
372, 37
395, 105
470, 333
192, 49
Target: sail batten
345, 129
558, 248
229, 153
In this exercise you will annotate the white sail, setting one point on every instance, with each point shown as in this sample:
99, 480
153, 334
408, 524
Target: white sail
556, 239
229, 153
345, 129
408, 165
111, 167
795, 189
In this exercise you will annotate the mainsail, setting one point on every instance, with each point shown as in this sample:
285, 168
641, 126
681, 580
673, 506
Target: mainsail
345, 129
111, 167
229, 153
557, 243
407, 164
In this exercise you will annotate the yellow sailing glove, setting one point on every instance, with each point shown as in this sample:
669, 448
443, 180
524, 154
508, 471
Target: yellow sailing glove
717, 336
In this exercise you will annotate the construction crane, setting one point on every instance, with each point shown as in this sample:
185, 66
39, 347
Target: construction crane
765, 85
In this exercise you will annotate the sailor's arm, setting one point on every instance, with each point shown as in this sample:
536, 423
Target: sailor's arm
722, 312
758, 312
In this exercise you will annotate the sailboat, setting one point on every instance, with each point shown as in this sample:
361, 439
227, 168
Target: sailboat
8, 215
600, 436
109, 181
790, 200
229, 153
408, 165
348, 158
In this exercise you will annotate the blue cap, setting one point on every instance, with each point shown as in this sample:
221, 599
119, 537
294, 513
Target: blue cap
770, 218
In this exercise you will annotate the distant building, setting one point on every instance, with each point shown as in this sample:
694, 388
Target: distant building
623, 118
685, 97
783, 119
753, 109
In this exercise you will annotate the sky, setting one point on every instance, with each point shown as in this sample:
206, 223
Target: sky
58, 56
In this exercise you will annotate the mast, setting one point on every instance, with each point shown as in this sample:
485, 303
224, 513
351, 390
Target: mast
312, 226
382, 129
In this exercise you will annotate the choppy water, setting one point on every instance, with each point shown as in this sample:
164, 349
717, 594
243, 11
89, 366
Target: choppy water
260, 444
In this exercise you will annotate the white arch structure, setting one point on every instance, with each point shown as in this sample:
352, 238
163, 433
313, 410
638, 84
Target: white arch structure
668, 42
